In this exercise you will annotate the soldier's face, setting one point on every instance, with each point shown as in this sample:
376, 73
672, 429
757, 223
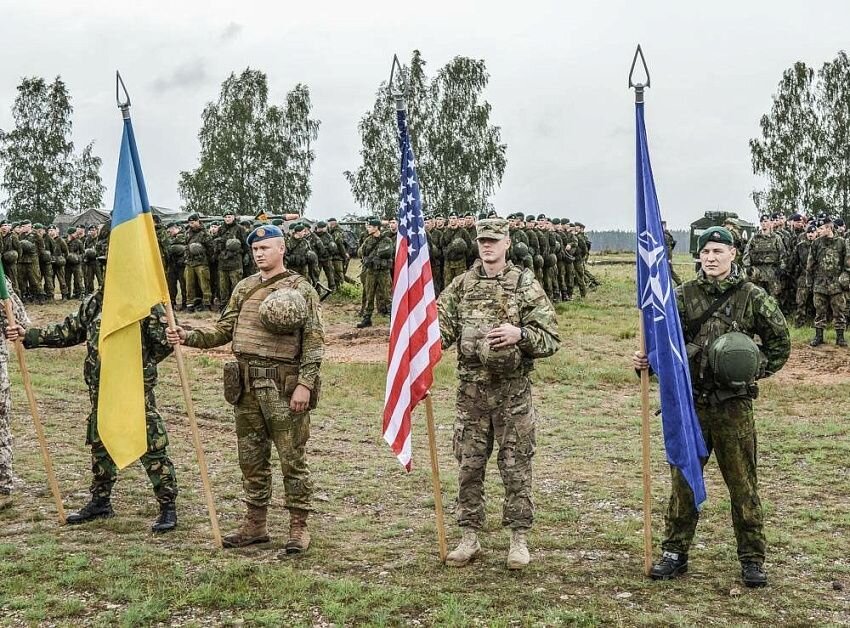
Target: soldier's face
195, 224
716, 259
440, 222
811, 235
452, 222
766, 225
229, 219
5, 229
491, 251
268, 254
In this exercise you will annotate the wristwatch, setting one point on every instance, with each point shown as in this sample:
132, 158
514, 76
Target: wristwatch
523, 334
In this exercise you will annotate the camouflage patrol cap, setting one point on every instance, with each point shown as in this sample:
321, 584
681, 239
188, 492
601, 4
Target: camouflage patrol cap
715, 234
264, 232
283, 311
492, 229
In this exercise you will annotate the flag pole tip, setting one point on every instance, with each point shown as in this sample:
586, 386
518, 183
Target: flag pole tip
123, 104
398, 88
640, 86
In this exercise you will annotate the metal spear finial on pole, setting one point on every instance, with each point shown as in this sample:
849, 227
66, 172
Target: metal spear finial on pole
123, 105
398, 88
639, 87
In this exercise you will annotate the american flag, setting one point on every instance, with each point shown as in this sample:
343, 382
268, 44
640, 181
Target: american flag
415, 331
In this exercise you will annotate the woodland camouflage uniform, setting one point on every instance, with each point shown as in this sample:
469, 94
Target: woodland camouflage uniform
21, 317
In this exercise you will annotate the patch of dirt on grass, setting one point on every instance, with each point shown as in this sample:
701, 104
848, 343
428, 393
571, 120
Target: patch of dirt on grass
826, 364
345, 343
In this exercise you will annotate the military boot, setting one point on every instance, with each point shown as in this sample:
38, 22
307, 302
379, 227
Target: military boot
839, 338
753, 575
252, 530
167, 519
97, 508
366, 322
818, 339
299, 535
466, 550
518, 553
670, 566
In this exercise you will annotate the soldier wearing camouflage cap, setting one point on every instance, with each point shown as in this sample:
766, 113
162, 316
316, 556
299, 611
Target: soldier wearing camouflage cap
721, 312
501, 320
274, 322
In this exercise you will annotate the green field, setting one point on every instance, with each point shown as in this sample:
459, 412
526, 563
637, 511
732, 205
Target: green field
374, 558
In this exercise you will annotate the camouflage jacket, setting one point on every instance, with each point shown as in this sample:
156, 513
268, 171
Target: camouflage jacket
533, 244
10, 243
456, 244
230, 260
827, 260
377, 253
800, 260
764, 249
750, 310
84, 326
341, 250
297, 250
475, 303
328, 246
583, 245
201, 258
312, 335
669, 242
76, 247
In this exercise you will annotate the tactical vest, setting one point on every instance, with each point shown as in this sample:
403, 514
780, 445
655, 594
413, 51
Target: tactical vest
729, 317
763, 249
486, 303
250, 337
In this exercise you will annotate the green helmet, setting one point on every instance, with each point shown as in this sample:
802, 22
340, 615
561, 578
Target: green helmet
233, 245
520, 250
734, 360
283, 311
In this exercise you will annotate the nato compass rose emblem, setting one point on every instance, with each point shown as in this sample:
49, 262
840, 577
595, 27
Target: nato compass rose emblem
654, 294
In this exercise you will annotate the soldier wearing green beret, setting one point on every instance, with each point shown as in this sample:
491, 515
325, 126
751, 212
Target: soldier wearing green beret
230, 247
10, 248
297, 250
721, 313
274, 322
827, 276
339, 253
457, 247
199, 250
376, 254
92, 269
501, 320
327, 253
30, 273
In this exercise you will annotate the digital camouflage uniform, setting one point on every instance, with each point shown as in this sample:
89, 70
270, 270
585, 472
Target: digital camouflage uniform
262, 412
376, 254
197, 266
764, 261
229, 259
6, 475
175, 264
494, 402
726, 417
297, 256
84, 326
827, 261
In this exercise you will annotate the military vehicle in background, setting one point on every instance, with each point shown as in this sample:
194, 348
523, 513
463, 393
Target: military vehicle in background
713, 219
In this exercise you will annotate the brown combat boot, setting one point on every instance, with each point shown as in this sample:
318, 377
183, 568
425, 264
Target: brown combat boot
299, 535
252, 530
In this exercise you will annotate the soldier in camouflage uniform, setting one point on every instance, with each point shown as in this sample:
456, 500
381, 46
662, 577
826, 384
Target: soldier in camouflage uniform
550, 259
501, 320
273, 384
10, 248
59, 259
764, 258
803, 296
230, 249
456, 245
326, 253
199, 249
828, 275
29, 275
6, 475
83, 326
339, 253
74, 262
297, 250
376, 253
45, 260
718, 301
435, 254
670, 244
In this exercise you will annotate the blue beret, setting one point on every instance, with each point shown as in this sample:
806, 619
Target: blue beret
264, 233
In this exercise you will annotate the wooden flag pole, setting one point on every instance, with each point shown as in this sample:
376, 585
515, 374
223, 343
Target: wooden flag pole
647, 477
435, 478
196, 435
39, 430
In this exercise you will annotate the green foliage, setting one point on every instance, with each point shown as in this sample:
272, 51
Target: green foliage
804, 148
459, 155
254, 157
41, 175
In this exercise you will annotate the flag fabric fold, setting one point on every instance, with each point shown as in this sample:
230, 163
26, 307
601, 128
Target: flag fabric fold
665, 344
415, 346
134, 283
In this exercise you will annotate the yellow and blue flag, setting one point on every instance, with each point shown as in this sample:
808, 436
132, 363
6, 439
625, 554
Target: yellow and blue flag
134, 283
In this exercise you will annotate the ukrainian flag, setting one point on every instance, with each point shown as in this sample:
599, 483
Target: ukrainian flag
134, 283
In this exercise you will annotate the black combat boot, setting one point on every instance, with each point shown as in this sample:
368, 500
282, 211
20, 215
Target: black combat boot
366, 322
670, 566
167, 519
97, 508
839, 338
753, 575
818, 339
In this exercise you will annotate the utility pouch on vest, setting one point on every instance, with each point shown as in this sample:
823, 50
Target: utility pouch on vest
469, 339
232, 382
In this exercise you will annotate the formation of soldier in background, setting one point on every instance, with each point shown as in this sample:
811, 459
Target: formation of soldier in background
803, 263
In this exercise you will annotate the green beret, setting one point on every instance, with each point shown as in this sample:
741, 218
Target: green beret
528, 218
38, 225
297, 227
193, 217
374, 222
556, 221
332, 220
277, 222
71, 230
229, 212
715, 234
321, 224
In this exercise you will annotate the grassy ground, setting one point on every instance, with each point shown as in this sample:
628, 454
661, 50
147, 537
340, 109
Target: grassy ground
374, 558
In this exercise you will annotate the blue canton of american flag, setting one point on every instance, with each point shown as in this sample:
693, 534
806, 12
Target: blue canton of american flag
414, 347
665, 343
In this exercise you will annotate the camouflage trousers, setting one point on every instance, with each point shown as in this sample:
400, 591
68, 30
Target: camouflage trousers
263, 418
157, 464
376, 291
452, 270
47, 280
92, 271
674, 275
765, 277
12, 274
6, 475
826, 304
495, 412
74, 280
339, 272
30, 280
804, 302
227, 280
729, 431
198, 285
550, 279
330, 273
59, 277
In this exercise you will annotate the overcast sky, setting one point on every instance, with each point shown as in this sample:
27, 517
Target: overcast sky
558, 84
